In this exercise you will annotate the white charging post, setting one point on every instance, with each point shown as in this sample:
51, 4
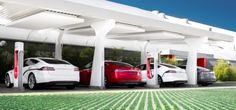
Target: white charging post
152, 81
18, 65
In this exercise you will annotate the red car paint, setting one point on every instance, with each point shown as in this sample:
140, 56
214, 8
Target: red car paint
202, 62
149, 74
15, 64
115, 73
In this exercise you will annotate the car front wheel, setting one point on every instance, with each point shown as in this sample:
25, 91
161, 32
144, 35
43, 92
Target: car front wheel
32, 82
8, 81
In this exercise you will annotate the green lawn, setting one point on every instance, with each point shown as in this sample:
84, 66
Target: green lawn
215, 99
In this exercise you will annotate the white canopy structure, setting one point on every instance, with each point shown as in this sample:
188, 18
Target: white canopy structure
102, 24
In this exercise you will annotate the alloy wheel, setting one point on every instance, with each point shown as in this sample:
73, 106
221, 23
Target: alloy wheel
31, 81
7, 80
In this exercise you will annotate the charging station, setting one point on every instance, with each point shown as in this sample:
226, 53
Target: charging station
152, 75
18, 65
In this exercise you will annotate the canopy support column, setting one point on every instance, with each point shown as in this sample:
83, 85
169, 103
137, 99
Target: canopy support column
144, 52
101, 29
191, 68
58, 45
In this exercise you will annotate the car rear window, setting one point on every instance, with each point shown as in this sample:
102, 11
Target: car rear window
54, 61
183, 67
203, 69
123, 64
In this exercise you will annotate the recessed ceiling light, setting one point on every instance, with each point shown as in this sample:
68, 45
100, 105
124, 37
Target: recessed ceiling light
1, 7
4, 21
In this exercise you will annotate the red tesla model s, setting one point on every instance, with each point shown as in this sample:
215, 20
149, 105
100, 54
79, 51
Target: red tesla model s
116, 73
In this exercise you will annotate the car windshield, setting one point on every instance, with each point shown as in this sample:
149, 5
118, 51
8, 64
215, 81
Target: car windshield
54, 61
123, 64
167, 65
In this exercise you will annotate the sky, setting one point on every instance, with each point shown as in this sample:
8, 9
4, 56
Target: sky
218, 13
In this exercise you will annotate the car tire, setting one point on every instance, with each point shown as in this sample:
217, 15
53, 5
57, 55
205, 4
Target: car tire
131, 86
70, 87
177, 84
160, 81
8, 81
106, 84
32, 83
205, 84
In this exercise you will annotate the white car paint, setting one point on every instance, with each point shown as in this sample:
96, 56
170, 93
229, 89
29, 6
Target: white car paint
61, 73
179, 77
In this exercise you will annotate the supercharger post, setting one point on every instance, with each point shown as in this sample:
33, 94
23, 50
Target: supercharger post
152, 75
18, 65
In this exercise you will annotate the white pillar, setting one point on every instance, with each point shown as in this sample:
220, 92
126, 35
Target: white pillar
153, 82
101, 30
144, 52
191, 68
18, 65
58, 45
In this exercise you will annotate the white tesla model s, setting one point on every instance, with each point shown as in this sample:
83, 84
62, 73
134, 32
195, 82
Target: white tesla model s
39, 71
166, 74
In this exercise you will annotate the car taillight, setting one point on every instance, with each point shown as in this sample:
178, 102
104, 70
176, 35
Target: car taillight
171, 71
47, 69
201, 73
139, 73
76, 69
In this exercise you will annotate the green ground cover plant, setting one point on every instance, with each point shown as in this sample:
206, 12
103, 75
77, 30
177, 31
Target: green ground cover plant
204, 99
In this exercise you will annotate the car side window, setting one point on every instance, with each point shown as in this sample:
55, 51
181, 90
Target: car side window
142, 67
34, 61
88, 66
31, 62
106, 64
25, 63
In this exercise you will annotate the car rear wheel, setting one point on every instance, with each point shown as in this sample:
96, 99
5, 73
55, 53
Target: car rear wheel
32, 84
205, 84
160, 82
8, 81
131, 86
70, 87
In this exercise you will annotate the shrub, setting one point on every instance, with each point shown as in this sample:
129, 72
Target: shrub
224, 71
234, 74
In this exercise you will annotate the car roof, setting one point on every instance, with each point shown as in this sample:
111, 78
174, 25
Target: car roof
197, 67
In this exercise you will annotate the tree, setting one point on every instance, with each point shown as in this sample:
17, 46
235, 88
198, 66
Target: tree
114, 54
86, 56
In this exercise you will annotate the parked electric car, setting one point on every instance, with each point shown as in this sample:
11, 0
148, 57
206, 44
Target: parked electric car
116, 73
204, 76
166, 74
39, 71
